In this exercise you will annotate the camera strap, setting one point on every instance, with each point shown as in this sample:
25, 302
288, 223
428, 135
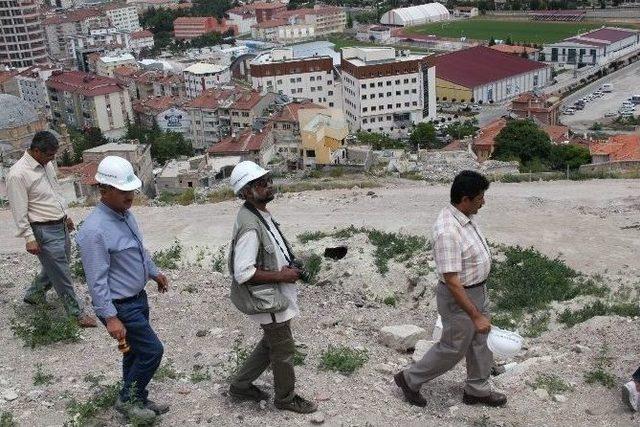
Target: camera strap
288, 255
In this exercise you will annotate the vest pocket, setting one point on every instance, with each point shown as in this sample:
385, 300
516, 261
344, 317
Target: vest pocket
266, 298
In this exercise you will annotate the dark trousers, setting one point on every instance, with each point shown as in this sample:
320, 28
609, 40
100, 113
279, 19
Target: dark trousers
141, 362
278, 349
636, 375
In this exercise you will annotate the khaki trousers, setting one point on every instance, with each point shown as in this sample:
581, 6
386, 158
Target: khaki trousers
276, 348
459, 339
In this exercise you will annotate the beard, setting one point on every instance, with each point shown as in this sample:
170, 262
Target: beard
264, 198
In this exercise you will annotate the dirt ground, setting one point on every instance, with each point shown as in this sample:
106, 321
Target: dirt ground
593, 225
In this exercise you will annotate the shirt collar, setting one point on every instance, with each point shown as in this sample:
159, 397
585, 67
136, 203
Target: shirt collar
31, 162
107, 210
462, 218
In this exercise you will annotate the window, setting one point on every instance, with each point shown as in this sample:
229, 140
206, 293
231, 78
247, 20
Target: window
413, 80
313, 89
414, 91
292, 80
279, 81
380, 119
406, 81
380, 95
299, 79
363, 86
388, 93
330, 93
319, 78
311, 153
372, 85
406, 91
554, 54
313, 79
373, 95
398, 105
379, 84
415, 103
406, 104
397, 82
364, 109
299, 90
389, 83
319, 88
364, 97
373, 108
382, 107
389, 106
331, 104
329, 82
364, 121
398, 93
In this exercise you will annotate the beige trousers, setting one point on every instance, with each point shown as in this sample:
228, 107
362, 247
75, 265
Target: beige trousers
459, 339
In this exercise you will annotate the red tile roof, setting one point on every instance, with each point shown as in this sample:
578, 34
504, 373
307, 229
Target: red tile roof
125, 71
289, 112
610, 34
5, 76
210, 99
262, 5
487, 134
514, 50
246, 101
618, 148
244, 143
586, 42
142, 34
83, 83
155, 104
558, 134
320, 11
86, 171
479, 65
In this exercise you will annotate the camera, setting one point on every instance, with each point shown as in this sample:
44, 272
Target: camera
305, 276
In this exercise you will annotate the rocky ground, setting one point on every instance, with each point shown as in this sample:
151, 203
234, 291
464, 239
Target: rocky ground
594, 225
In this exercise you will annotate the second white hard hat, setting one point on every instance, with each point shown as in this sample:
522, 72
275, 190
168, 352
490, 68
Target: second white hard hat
244, 173
118, 173
504, 343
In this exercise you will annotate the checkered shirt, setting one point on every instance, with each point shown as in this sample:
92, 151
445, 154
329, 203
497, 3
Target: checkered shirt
459, 247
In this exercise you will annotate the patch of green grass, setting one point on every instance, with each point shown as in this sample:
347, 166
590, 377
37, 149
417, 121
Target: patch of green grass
221, 195
538, 323
390, 300
168, 258
199, 374
598, 308
300, 355
239, 354
219, 260
94, 379
552, 383
311, 236
41, 377
600, 372
40, 328
190, 288
82, 413
167, 372
343, 359
481, 28
6, 419
313, 265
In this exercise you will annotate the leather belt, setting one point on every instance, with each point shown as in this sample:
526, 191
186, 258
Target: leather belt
54, 222
128, 299
475, 285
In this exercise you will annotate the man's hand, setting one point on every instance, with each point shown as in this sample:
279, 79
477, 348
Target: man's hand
70, 225
33, 247
163, 283
289, 274
115, 328
482, 324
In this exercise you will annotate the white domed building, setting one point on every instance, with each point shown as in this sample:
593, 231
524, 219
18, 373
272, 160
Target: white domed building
416, 15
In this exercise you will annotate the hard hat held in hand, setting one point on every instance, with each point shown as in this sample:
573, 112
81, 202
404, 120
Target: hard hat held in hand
244, 173
504, 343
118, 173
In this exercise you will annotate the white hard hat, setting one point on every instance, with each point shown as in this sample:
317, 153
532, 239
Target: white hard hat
244, 173
504, 343
117, 172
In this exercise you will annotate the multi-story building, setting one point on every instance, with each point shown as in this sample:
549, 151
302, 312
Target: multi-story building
123, 17
386, 91
201, 76
33, 88
324, 134
266, 11
243, 18
283, 31
290, 26
286, 129
62, 4
189, 27
245, 108
99, 41
61, 28
311, 78
139, 40
139, 155
164, 112
22, 41
544, 109
256, 146
106, 64
81, 99
205, 120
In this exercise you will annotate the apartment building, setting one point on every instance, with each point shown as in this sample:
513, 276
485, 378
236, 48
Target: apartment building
106, 64
61, 28
33, 88
312, 78
290, 26
201, 76
206, 128
123, 17
243, 18
80, 99
245, 108
386, 91
189, 27
266, 11
22, 40
139, 40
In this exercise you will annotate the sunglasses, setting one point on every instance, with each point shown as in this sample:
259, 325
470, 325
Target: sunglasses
262, 182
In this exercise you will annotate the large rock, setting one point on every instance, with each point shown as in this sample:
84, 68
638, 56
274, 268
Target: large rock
401, 337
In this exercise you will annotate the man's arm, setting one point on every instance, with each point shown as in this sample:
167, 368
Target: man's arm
96, 261
245, 271
481, 323
19, 201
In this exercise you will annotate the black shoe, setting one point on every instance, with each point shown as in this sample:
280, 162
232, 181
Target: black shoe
157, 407
414, 397
251, 393
492, 399
298, 404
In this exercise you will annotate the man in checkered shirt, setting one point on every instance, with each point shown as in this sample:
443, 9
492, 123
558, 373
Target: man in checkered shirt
463, 262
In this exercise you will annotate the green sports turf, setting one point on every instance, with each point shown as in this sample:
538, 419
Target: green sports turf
519, 31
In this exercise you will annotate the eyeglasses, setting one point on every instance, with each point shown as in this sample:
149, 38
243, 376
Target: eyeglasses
262, 182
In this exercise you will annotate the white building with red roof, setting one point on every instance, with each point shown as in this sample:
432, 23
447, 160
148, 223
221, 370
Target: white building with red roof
593, 48
256, 146
81, 100
482, 74
139, 40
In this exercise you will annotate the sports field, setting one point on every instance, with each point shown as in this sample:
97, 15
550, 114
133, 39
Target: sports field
519, 31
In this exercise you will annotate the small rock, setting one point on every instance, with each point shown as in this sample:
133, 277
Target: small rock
371, 193
184, 391
383, 368
580, 348
263, 404
321, 397
594, 411
327, 322
325, 282
34, 395
559, 398
47, 404
9, 395
453, 409
347, 273
401, 337
317, 418
541, 393
202, 333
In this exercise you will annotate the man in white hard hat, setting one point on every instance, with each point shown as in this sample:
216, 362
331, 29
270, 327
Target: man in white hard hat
40, 214
263, 266
463, 263
117, 268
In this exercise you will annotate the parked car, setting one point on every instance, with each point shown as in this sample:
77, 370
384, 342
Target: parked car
607, 87
569, 112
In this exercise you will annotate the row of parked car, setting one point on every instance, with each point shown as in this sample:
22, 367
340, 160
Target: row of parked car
580, 103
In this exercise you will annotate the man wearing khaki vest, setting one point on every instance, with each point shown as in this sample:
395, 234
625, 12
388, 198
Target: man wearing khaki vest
261, 263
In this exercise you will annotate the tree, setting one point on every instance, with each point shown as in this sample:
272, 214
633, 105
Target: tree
460, 130
509, 41
85, 139
66, 159
378, 141
492, 41
349, 21
169, 145
424, 136
572, 156
524, 141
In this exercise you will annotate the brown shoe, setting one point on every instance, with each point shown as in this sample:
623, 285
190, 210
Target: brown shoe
492, 399
86, 321
414, 397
